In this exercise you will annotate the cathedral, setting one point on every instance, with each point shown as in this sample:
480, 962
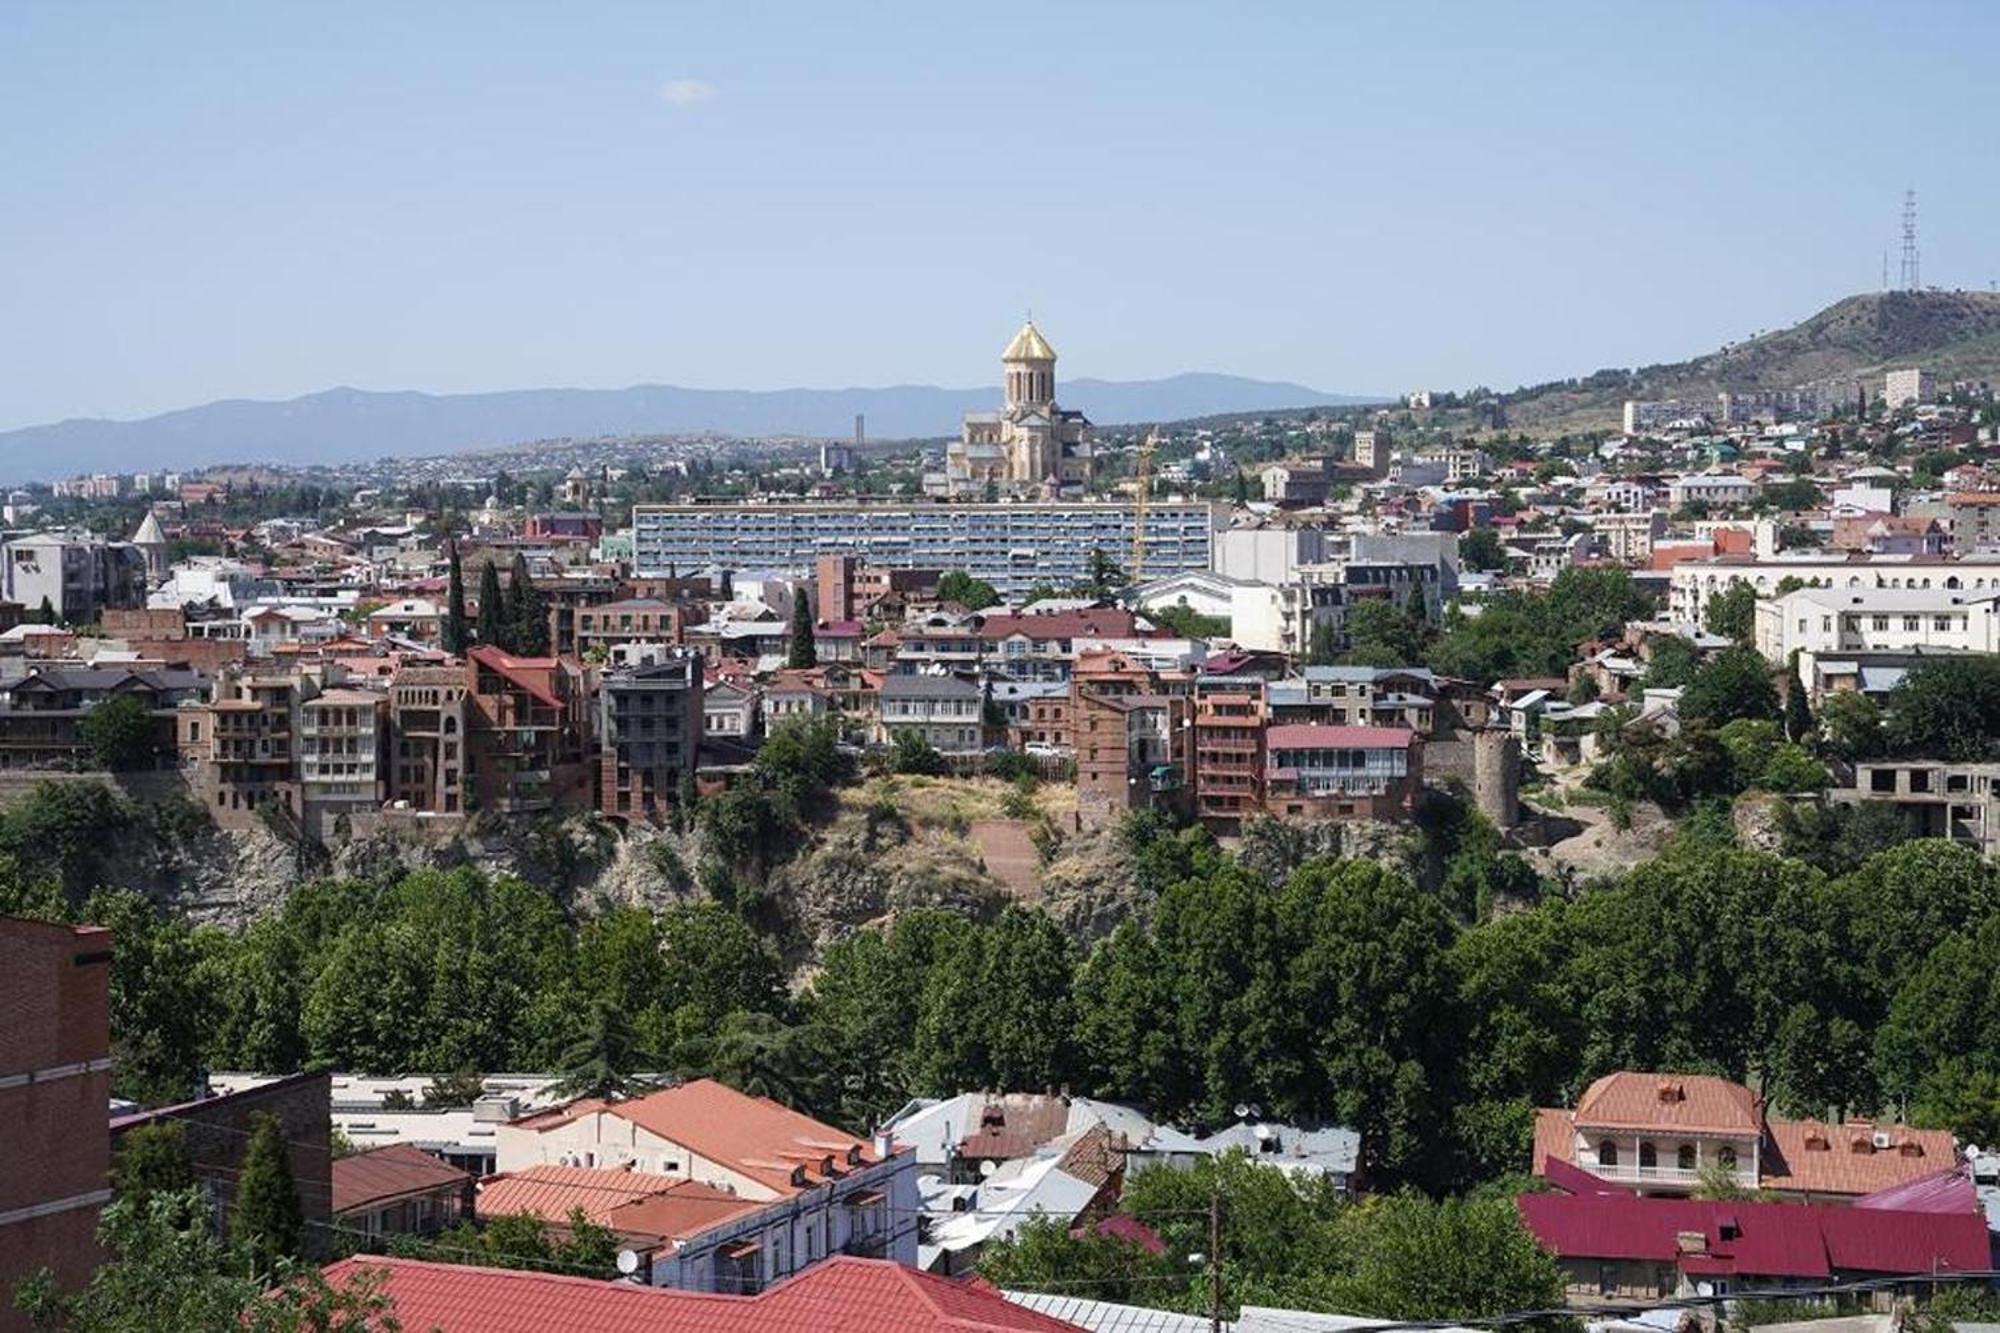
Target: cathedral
1030, 446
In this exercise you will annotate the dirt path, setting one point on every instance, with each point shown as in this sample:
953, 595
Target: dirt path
1010, 855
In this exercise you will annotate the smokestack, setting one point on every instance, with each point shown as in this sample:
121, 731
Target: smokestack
860, 429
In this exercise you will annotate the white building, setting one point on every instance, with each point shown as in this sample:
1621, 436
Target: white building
1822, 622
1629, 538
1716, 489
1901, 388
826, 1192
1693, 582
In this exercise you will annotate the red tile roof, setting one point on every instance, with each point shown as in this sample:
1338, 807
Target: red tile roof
1769, 1240
631, 1203
1691, 1103
753, 1136
1816, 1158
389, 1173
840, 1295
1313, 736
521, 672
1101, 623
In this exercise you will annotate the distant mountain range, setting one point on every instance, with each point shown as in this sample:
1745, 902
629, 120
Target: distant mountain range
1955, 334
354, 425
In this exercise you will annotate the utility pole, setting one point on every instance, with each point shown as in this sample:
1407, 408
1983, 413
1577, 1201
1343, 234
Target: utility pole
1215, 1262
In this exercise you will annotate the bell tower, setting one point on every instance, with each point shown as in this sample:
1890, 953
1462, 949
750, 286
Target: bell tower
1030, 365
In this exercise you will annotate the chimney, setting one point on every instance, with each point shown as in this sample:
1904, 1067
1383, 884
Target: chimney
885, 1144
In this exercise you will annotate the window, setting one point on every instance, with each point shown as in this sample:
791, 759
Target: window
1684, 1159
1649, 1157
1727, 1156
1607, 1153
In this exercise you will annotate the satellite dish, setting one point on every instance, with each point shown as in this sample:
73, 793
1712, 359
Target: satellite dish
986, 1168
628, 1262
1242, 1111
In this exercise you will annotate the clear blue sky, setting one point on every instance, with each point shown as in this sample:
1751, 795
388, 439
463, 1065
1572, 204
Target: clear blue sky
265, 199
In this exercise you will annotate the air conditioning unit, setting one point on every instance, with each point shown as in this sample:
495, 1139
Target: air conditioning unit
1881, 1139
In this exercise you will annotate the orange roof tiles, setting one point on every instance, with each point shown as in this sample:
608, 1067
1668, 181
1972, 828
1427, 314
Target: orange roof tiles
1817, 1158
1691, 1103
839, 1295
390, 1173
553, 1192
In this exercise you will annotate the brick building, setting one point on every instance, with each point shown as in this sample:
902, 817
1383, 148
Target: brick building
55, 1082
218, 1138
1229, 718
427, 716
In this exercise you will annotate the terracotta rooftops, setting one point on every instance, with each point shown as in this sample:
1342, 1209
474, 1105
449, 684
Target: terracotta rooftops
839, 1295
632, 1203
753, 1136
388, 1173
1691, 1103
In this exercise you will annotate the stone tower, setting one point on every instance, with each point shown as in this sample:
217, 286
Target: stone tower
152, 544
1496, 776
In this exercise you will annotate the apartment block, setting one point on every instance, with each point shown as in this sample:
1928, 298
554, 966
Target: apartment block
1011, 546
427, 763
342, 736
942, 710
1229, 722
1902, 388
1960, 802
649, 729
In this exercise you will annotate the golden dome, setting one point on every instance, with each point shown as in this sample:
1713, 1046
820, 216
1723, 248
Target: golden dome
1029, 345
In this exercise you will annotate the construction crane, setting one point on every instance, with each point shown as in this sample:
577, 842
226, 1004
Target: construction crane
1142, 491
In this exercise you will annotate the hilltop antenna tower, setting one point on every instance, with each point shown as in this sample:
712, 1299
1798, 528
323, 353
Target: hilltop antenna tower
1909, 275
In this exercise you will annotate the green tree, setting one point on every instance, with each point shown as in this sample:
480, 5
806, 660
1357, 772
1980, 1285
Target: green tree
1734, 684
119, 733
1798, 707
1672, 662
1407, 1257
1947, 708
267, 1221
1732, 613
1853, 724
527, 626
1380, 633
804, 652
165, 1272
1481, 549
457, 633
913, 754
606, 1060
1103, 576
152, 1159
1044, 1256
492, 609
998, 1012
971, 593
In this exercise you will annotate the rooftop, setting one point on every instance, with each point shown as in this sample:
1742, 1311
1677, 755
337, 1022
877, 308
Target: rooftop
840, 1295
382, 1174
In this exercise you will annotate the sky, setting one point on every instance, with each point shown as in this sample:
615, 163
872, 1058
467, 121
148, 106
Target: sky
262, 200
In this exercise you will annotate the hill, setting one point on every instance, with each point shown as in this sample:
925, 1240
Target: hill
354, 425
1956, 334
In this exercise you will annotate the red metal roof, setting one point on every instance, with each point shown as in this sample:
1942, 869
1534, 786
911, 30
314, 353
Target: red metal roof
1313, 736
390, 1173
840, 1295
1767, 1240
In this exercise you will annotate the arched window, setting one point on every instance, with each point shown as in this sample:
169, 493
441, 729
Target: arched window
1727, 1156
1648, 1158
1684, 1159
1607, 1153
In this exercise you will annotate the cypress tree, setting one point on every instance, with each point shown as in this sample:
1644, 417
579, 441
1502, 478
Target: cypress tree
153, 1159
45, 614
804, 653
492, 608
455, 629
1798, 709
267, 1220
527, 612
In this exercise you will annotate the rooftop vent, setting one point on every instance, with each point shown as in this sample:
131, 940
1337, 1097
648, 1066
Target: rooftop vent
1672, 1092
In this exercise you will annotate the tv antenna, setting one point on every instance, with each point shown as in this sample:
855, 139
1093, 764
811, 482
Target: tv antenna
1910, 280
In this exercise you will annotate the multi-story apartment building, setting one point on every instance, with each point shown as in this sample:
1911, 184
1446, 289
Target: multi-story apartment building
1660, 414
1356, 696
342, 736
40, 712
427, 759
565, 596
1229, 721
55, 1083
1972, 521
649, 729
1902, 388
240, 749
1296, 485
79, 575
528, 731
1721, 490
1629, 538
1692, 582
1960, 802
1011, 546
631, 620
1342, 772
1817, 622
945, 711
1132, 751
849, 588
